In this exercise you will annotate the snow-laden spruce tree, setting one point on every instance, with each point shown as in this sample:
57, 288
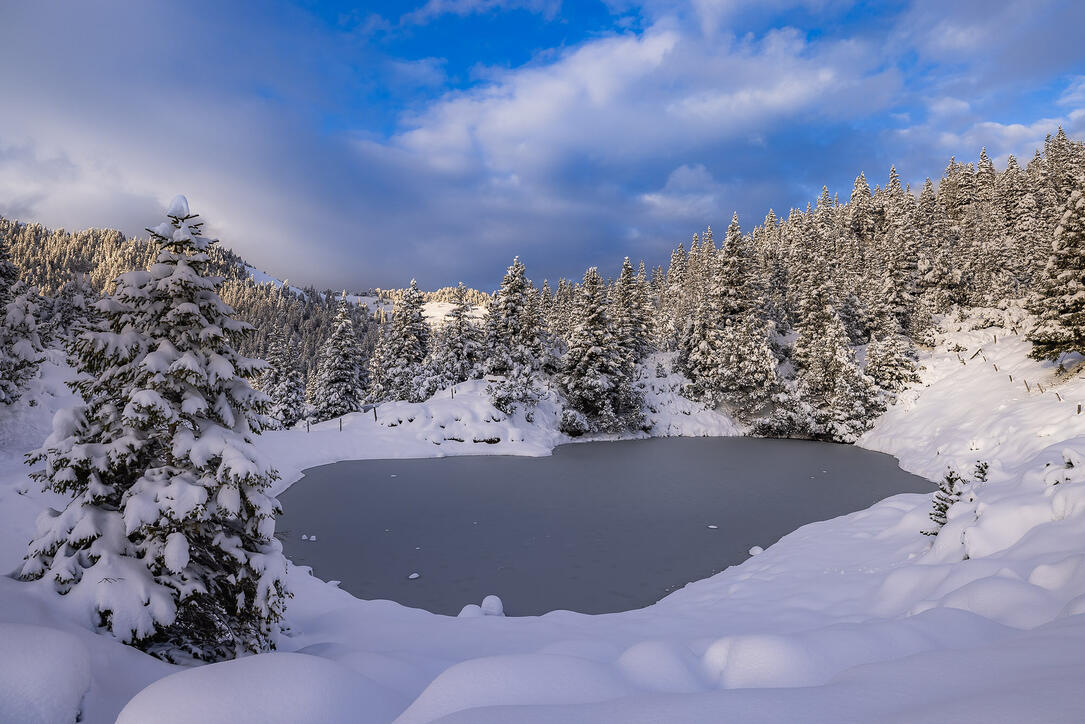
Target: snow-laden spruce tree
456, 347
596, 379
71, 310
746, 376
284, 384
1059, 303
890, 356
844, 400
629, 319
20, 343
397, 367
338, 389
513, 349
168, 540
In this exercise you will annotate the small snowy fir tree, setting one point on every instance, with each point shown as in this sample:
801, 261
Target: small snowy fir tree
595, 378
20, 344
890, 356
951, 488
168, 539
513, 345
338, 390
397, 367
284, 385
1059, 304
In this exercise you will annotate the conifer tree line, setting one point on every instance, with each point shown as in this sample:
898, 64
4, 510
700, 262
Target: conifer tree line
804, 325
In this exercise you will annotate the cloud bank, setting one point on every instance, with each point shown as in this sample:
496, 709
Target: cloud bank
322, 155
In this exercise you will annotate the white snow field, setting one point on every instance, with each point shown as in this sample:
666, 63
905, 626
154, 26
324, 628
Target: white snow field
856, 619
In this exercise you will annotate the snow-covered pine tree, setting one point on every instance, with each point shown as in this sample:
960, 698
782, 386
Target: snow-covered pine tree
397, 368
595, 380
512, 335
1059, 303
844, 399
673, 304
72, 309
338, 388
168, 540
20, 343
951, 488
629, 322
284, 384
890, 356
746, 377
646, 309
513, 346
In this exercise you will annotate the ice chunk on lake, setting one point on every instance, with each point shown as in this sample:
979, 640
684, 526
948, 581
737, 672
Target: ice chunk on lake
492, 606
413, 576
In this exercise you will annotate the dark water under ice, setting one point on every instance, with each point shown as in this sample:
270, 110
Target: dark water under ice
597, 527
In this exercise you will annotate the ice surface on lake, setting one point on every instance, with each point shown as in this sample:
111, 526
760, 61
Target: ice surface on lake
596, 527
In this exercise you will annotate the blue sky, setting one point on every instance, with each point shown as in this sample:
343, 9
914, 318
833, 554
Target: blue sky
359, 145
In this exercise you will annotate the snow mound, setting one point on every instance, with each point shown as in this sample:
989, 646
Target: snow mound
268, 688
515, 679
44, 674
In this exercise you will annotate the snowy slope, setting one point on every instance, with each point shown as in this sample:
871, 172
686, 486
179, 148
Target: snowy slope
859, 618
434, 312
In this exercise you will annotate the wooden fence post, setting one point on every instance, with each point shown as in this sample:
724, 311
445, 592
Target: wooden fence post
340, 423
374, 413
1026, 385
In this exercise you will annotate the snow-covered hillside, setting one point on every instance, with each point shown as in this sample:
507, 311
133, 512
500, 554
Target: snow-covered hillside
860, 618
435, 312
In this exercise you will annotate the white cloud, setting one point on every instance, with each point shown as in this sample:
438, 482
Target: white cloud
434, 9
1074, 95
946, 106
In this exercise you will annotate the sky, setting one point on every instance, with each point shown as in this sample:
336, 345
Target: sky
352, 145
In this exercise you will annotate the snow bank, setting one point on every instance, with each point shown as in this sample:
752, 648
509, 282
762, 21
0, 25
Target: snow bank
268, 688
44, 674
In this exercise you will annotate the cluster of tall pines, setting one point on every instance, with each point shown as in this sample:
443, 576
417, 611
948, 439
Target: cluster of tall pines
806, 325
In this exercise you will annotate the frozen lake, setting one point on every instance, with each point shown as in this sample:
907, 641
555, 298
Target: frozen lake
597, 527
